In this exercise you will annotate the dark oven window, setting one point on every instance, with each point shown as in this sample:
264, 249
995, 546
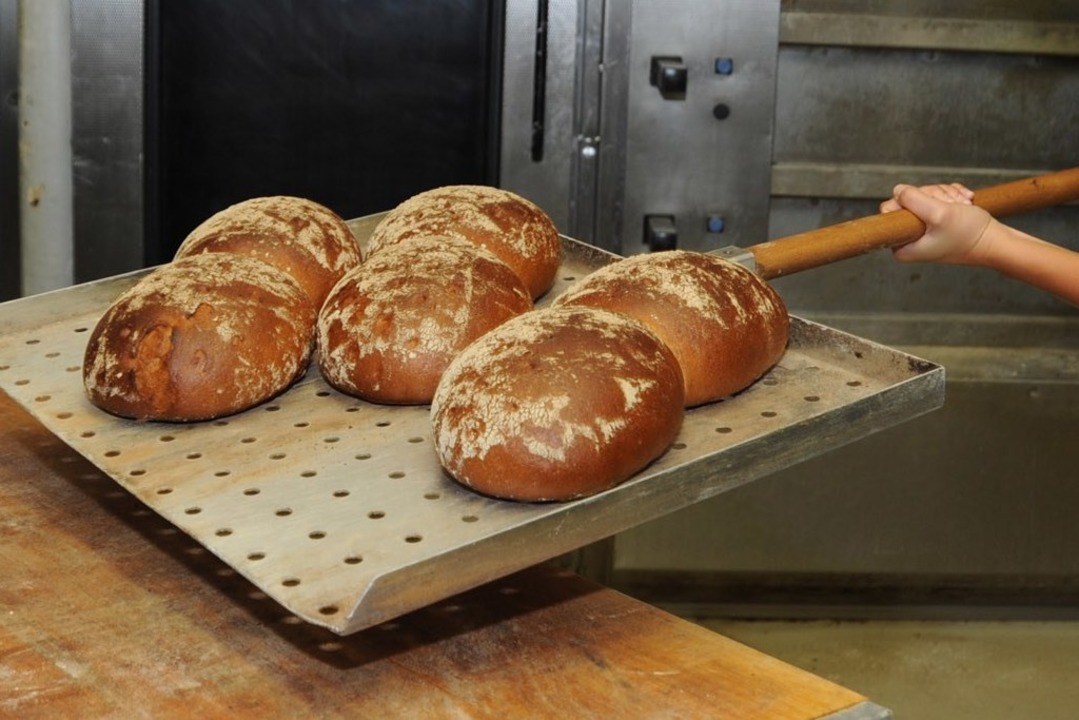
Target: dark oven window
356, 104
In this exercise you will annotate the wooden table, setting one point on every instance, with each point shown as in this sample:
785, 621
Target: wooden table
106, 610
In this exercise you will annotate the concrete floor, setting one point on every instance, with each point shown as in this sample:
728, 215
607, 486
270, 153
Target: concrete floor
930, 670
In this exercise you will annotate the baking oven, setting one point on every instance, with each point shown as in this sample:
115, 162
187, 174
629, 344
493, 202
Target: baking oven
641, 125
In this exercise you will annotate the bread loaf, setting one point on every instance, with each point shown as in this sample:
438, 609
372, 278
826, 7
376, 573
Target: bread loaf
204, 336
557, 404
299, 236
725, 325
511, 227
391, 326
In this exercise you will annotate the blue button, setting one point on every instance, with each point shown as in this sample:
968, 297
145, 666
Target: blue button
715, 223
724, 66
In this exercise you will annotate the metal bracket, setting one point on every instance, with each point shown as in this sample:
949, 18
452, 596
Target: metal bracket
738, 255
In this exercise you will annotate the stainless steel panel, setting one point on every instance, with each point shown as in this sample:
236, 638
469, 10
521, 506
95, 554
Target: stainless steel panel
107, 109
680, 159
546, 181
951, 110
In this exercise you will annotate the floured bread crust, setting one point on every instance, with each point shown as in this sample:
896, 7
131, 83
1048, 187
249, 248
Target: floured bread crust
725, 325
391, 326
301, 237
204, 336
557, 404
513, 228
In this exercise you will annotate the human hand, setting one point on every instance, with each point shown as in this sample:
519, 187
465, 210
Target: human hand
954, 226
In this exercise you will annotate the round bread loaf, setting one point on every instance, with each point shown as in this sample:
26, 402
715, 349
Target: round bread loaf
725, 325
199, 338
513, 228
303, 238
557, 404
391, 326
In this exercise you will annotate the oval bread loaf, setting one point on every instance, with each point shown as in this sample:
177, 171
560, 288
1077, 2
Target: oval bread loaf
513, 228
557, 404
391, 326
204, 336
299, 236
725, 325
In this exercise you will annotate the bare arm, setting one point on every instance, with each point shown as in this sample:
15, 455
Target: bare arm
960, 233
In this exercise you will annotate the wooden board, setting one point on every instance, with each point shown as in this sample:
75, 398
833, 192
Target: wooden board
106, 610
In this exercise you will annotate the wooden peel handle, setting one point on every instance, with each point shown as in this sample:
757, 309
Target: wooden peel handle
825, 245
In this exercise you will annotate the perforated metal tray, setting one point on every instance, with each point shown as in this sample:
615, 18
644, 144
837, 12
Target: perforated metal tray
337, 508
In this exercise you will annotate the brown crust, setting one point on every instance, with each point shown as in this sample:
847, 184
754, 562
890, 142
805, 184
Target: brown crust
725, 325
557, 404
390, 327
299, 236
204, 336
513, 228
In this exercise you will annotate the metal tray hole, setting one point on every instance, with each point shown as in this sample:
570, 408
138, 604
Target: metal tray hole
112, 453
248, 440
396, 475
769, 414
415, 440
329, 610
812, 398
166, 438
256, 556
309, 473
724, 430
251, 491
164, 491
192, 510
223, 532
52, 355
363, 456
278, 456
678, 446
301, 424
193, 456
22, 381
317, 535
87, 434
220, 423
283, 512
43, 398
383, 423
138, 472
413, 539
341, 493
854, 383
431, 496
272, 408
222, 473
353, 560
73, 368
331, 439
376, 514
470, 519
290, 582
32, 341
